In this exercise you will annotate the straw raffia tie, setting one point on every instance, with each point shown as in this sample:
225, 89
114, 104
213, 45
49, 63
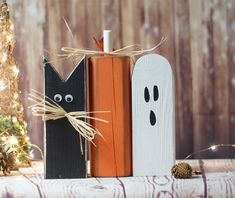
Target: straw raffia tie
50, 110
130, 50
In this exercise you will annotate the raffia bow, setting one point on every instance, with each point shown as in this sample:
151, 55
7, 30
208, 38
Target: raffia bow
131, 50
50, 110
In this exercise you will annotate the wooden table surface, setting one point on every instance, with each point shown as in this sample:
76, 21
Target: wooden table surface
217, 180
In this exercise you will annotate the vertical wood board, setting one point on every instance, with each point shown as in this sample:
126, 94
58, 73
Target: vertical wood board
63, 154
153, 116
110, 90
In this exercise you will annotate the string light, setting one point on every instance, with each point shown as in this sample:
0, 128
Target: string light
9, 37
15, 70
4, 57
11, 27
14, 144
2, 85
14, 119
16, 95
183, 170
31, 154
3, 138
14, 106
13, 140
212, 148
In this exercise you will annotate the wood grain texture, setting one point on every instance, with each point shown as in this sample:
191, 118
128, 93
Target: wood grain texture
110, 90
65, 149
183, 77
217, 181
231, 67
200, 47
153, 116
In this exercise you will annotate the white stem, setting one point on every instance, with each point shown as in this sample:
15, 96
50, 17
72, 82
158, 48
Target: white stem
107, 40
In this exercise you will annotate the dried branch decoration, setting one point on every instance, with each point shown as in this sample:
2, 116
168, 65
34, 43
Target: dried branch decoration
50, 110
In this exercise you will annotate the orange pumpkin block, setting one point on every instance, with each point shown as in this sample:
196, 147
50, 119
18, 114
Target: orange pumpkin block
110, 90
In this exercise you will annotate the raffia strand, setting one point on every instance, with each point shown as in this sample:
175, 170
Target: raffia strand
130, 50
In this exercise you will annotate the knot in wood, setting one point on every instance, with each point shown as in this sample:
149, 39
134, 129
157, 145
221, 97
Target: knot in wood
182, 170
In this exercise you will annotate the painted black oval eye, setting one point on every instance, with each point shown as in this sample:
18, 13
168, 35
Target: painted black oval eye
152, 118
146, 94
57, 98
69, 98
155, 93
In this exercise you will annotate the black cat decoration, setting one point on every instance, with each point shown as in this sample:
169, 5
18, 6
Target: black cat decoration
63, 155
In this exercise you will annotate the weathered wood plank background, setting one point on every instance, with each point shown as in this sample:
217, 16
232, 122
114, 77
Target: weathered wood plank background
200, 46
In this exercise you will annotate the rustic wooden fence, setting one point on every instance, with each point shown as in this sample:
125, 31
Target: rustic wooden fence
200, 46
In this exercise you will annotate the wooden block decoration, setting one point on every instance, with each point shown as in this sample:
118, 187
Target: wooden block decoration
110, 90
153, 116
63, 157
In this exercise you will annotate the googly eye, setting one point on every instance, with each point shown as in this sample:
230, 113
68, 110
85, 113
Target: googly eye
69, 98
57, 98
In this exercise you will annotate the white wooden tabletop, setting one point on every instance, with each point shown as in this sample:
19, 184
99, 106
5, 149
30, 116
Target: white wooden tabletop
217, 180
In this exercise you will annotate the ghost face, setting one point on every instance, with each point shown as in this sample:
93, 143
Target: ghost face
152, 116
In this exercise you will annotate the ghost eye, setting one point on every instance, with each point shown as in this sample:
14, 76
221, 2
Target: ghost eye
155, 93
57, 98
69, 98
146, 94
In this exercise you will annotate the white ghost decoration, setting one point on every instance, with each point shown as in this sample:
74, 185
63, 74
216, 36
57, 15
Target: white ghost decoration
153, 116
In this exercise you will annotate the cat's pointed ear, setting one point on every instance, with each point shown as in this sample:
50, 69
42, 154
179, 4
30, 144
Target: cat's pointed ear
78, 72
44, 60
49, 71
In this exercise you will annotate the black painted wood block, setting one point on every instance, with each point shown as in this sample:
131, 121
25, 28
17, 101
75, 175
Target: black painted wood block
63, 156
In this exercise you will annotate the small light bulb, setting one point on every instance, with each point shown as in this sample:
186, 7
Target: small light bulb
213, 148
31, 154
15, 70
2, 85
14, 106
4, 57
17, 161
12, 27
9, 37
16, 95
13, 140
14, 119
3, 138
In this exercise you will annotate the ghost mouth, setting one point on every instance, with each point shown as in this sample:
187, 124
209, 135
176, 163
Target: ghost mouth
152, 118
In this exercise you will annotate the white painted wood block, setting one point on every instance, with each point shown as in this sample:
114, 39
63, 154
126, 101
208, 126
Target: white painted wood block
153, 116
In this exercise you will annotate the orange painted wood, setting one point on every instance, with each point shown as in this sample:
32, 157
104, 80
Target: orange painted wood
110, 90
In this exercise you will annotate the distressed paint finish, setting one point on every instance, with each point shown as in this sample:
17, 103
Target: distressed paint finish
200, 47
65, 150
153, 116
110, 90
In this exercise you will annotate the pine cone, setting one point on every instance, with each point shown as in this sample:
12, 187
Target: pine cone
182, 170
